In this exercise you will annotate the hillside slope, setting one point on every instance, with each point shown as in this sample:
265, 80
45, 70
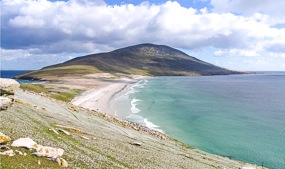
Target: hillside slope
110, 143
143, 59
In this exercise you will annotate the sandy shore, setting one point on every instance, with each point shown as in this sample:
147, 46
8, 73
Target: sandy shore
97, 98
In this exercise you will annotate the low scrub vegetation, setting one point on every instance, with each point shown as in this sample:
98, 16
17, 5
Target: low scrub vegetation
63, 94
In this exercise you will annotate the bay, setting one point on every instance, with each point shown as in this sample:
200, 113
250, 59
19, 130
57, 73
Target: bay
238, 116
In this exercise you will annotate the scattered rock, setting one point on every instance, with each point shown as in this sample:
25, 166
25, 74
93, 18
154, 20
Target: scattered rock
4, 147
4, 138
49, 152
5, 103
136, 143
69, 128
8, 153
41, 151
46, 151
19, 152
65, 132
86, 138
25, 142
94, 138
8, 86
7, 90
62, 162
53, 130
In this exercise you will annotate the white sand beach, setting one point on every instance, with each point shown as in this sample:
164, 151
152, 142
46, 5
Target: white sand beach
97, 98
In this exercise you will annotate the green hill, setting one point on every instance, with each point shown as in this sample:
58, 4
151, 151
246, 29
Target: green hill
143, 59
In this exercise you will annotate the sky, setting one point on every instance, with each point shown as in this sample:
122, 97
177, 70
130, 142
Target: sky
235, 34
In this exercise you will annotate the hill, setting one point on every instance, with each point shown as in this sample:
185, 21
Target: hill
143, 59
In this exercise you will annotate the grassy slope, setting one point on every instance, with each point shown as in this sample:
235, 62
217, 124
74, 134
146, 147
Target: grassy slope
63, 94
32, 115
72, 70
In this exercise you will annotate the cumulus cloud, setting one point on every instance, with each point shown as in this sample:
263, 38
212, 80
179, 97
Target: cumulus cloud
82, 26
275, 8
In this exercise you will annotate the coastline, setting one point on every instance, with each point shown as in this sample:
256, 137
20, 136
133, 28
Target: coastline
112, 90
98, 98
112, 133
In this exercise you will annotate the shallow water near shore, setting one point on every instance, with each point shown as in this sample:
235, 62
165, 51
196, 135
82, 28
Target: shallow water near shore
239, 116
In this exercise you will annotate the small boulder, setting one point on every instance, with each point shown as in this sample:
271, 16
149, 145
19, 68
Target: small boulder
49, 152
4, 138
8, 86
84, 137
62, 162
65, 132
8, 153
136, 143
19, 152
5, 103
25, 142
53, 130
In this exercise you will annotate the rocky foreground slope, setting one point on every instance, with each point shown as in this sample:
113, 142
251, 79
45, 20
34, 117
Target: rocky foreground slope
93, 140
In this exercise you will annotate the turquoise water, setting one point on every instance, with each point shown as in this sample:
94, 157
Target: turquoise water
239, 116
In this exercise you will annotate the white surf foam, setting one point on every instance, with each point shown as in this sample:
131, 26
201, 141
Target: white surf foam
134, 104
152, 125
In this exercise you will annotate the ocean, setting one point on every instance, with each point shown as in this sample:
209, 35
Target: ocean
238, 116
12, 73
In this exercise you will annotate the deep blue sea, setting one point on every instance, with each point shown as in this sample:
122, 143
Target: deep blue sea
238, 116
12, 73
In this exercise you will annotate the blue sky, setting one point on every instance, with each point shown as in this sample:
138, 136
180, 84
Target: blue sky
239, 35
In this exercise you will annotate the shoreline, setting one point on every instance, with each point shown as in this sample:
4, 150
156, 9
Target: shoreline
112, 87
103, 106
98, 98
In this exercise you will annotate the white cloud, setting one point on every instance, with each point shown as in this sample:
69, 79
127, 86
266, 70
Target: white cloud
26, 21
274, 9
82, 26
236, 52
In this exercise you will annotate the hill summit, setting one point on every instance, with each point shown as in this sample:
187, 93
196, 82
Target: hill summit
143, 59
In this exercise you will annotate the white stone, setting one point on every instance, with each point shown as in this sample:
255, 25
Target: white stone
41, 150
136, 143
19, 152
53, 130
5, 103
64, 131
8, 86
49, 152
62, 162
84, 137
8, 153
25, 142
